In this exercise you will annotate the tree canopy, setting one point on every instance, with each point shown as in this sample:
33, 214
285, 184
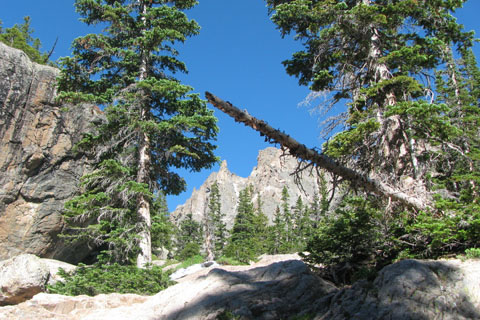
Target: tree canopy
153, 123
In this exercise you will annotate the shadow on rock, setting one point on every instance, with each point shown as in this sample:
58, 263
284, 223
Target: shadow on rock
410, 289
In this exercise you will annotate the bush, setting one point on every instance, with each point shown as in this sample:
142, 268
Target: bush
229, 261
191, 249
103, 278
190, 262
345, 244
472, 253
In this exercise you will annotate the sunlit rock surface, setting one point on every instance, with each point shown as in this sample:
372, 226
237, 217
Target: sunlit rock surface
274, 170
282, 287
38, 170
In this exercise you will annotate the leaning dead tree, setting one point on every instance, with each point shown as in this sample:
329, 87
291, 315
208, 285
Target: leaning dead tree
300, 151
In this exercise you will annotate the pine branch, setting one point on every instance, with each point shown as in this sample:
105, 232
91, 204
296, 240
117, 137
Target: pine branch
302, 152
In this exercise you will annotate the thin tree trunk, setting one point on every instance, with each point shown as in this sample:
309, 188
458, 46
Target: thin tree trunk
302, 152
143, 205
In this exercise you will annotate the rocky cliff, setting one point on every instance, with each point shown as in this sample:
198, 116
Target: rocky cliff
273, 172
38, 170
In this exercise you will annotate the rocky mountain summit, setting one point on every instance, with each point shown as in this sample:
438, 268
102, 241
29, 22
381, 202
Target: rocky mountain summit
274, 171
38, 170
282, 287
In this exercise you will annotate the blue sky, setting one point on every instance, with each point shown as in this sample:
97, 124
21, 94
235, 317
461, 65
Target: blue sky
237, 56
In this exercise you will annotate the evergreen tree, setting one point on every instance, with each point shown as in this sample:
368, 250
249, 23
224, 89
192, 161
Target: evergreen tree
20, 37
276, 239
376, 56
243, 244
303, 225
153, 123
260, 222
215, 227
287, 220
346, 240
163, 230
189, 238
412, 111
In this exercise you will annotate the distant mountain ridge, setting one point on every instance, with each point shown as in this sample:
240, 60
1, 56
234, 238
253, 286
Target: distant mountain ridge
273, 171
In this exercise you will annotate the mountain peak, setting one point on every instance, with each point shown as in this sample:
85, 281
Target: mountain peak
273, 172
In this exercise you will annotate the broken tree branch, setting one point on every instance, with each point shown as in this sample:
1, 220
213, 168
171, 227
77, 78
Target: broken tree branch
302, 152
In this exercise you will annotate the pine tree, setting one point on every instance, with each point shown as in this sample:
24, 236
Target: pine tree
243, 244
153, 123
215, 227
276, 239
411, 115
303, 225
20, 37
377, 57
163, 230
260, 223
287, 219
189, 238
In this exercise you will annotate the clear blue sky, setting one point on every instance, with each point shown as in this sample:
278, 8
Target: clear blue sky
237, 56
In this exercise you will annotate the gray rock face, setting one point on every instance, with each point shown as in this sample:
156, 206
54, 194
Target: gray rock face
273, 172
21, 278
38, 171
282, 287
410, 290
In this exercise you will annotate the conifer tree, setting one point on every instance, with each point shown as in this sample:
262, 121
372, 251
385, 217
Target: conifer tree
243, 244
20, 37
411, 116
276, 239
189, 238
163, 230
153, 123
260, 222
215, 227
303, 224
377, 57
287, 217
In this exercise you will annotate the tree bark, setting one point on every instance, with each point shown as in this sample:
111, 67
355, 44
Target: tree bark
300, 151
144, 162
143, 205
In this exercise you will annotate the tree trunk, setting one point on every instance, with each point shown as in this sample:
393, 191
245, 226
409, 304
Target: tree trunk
302, 152
143, 205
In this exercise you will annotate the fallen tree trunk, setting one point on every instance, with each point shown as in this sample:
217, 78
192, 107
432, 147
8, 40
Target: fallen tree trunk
300, 151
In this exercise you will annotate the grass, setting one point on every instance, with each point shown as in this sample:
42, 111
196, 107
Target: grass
190, 262
229, 261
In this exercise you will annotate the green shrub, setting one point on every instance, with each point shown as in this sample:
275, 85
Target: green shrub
191, 249
103, 278
190, 262
346, 243
229, 261
472, 253
227, 315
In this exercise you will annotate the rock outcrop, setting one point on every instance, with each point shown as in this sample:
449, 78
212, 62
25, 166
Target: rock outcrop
38, 170
282, 287
21, 278
273, 172
410, 290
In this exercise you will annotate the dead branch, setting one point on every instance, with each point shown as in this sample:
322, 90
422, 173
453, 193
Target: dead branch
300, 151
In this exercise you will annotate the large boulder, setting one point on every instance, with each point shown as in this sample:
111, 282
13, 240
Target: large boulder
21, 278
38, 170
282, 287
410, 290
